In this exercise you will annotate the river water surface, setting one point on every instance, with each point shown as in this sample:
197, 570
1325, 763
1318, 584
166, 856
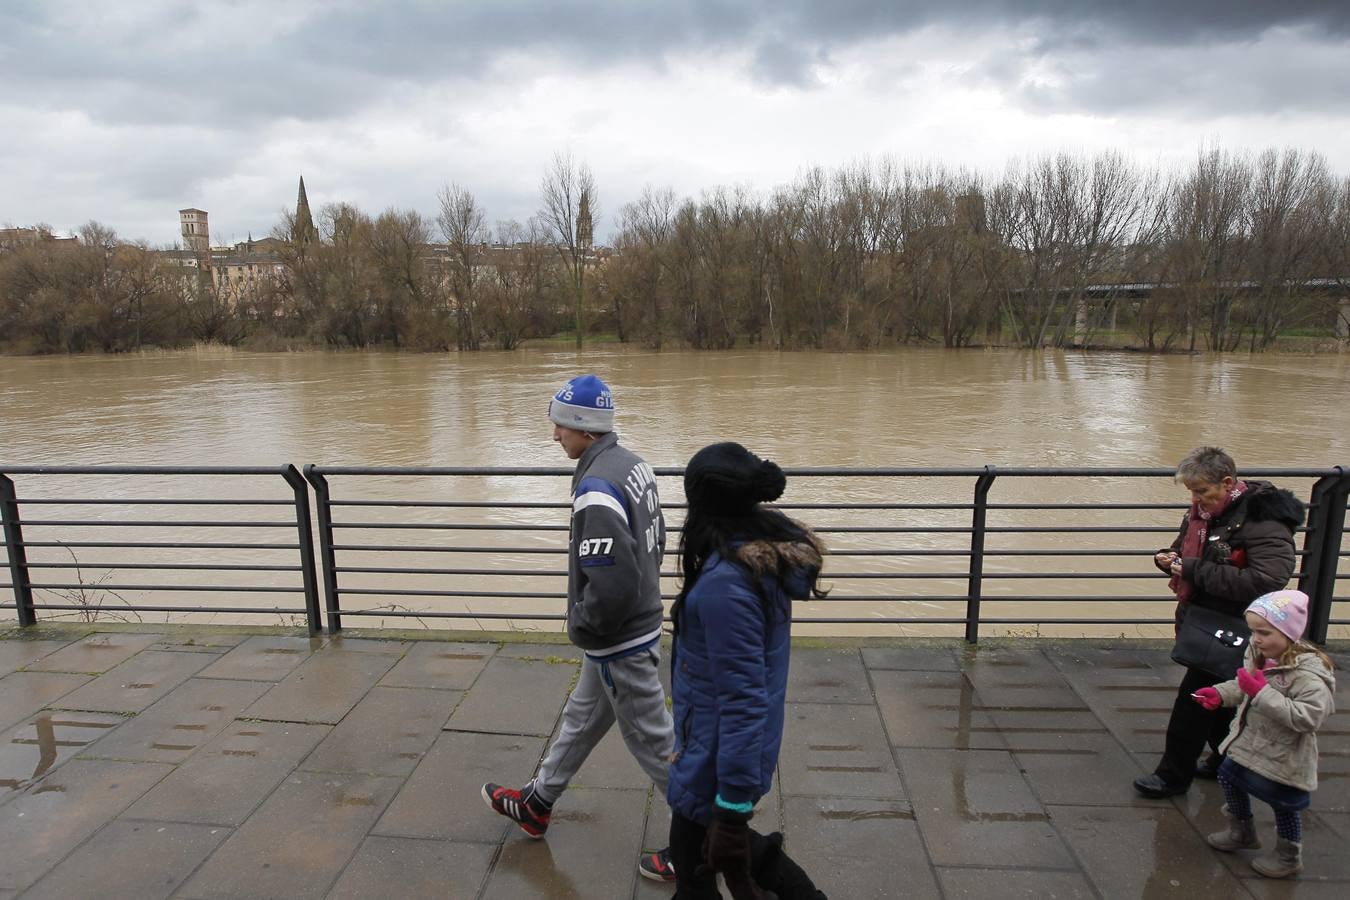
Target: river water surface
910, 408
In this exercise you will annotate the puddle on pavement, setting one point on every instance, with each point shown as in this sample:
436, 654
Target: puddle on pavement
56, 736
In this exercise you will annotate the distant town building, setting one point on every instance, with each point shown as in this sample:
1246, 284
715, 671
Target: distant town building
243, 268
240, 270
14, 238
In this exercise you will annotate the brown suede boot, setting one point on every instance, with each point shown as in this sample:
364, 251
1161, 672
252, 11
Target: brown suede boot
1240, 835
1285, 861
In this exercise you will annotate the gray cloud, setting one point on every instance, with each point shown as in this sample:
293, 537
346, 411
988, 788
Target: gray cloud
253, 62
162, 92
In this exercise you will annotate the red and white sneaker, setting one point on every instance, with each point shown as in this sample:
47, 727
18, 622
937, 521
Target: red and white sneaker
657, 866
505, 801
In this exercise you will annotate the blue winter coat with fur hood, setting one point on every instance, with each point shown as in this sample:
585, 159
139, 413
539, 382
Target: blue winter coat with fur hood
729, 674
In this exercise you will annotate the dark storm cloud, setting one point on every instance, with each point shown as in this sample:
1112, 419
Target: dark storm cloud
143, 96
246, 63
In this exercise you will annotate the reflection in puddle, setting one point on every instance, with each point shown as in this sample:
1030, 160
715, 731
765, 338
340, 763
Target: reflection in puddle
50, 745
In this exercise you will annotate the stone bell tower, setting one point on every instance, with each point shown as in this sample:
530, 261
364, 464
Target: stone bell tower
196, 233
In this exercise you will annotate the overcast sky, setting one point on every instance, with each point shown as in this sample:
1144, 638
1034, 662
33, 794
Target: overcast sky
125, 112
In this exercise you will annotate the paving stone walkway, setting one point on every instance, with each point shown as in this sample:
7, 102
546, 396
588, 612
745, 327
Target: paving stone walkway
214, 764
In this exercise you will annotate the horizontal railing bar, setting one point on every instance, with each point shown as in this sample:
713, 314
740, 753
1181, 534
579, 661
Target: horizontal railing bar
559, 573
507, 551
443, 614
261, 610
455, 504
454, 614
450, 526
143, 470
830, 529
71, 501
410, 592
129, 523
419, 548
527, 504
156, 545
207, 567
397, 570
828, 471
93, 586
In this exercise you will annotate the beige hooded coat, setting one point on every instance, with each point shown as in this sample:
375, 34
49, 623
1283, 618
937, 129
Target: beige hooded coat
1275, 733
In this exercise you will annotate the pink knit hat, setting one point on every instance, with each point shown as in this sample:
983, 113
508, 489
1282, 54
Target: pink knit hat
1286, 610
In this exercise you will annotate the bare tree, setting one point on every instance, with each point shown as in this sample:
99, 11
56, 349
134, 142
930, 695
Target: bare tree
461, 223
569, 213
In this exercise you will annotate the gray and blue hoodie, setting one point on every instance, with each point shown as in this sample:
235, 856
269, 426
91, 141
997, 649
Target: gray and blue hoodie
617, 541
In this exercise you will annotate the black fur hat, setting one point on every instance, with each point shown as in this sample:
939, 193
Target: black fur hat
727, 479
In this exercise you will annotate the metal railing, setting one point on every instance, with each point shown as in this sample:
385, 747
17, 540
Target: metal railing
443, 544
86, 598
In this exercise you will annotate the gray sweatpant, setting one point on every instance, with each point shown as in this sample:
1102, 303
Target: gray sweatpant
627, 691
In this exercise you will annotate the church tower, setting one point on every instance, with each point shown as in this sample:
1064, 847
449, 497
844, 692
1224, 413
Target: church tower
196, 234
304, 222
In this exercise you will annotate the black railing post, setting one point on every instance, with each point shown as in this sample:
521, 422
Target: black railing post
306, 533
975, 584
18, 556
328, 558
1322, 549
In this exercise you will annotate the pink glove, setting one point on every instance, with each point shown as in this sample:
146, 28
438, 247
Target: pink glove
1250, 682
1208, 697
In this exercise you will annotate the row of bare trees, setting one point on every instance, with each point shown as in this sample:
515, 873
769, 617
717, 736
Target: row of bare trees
1054, 252
1058, 250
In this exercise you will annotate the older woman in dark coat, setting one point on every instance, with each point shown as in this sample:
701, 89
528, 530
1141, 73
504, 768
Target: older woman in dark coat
1236, 543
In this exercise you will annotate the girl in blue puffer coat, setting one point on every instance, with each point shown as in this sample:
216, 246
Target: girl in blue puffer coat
743, 563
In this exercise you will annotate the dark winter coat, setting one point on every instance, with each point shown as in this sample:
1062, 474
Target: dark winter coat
729, 674
1249, 549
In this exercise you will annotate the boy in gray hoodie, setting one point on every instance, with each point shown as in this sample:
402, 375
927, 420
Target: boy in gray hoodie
614, 613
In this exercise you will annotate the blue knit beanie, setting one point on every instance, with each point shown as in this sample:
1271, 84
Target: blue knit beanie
583, 404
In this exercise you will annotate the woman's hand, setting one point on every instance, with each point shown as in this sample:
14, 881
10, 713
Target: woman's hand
1163, 560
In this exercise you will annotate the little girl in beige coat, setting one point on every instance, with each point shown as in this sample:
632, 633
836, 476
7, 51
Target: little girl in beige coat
1283, 693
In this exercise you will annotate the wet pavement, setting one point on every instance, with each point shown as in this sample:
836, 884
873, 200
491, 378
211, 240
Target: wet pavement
204, 763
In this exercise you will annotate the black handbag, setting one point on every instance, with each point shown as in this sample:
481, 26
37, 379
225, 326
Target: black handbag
1211, 641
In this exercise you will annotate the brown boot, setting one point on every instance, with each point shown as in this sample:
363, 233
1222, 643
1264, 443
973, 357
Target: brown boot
1240, 835
1285, 861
